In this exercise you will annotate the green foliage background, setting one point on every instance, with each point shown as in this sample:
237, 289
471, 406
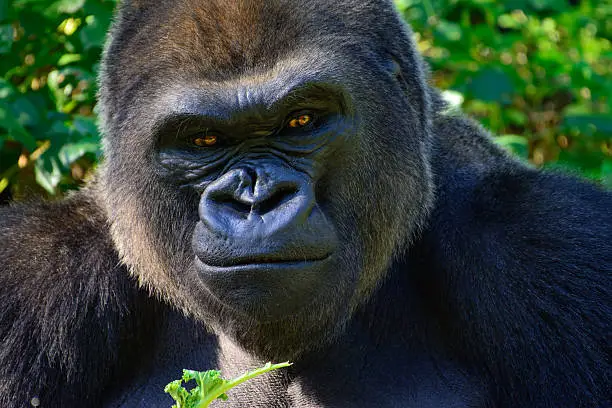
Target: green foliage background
536, 72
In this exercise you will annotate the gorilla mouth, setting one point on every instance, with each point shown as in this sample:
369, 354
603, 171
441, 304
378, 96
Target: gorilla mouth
262, 261
266, 287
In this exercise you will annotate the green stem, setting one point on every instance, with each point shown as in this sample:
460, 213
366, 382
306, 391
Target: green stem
239, 380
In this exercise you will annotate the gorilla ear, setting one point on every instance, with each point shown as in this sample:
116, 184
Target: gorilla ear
394, 67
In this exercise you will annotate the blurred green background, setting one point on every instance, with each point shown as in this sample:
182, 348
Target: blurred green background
536, 72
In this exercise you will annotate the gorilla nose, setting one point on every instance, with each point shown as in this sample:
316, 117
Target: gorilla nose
256, 202
247, 192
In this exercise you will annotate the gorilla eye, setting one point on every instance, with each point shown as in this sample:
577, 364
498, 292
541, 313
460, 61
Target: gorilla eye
205, 141
300, 121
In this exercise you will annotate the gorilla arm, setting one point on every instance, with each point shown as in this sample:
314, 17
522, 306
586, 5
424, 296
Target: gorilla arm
66, 304
520, 263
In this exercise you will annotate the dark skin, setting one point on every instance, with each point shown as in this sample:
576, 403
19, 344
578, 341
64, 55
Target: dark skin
281, 183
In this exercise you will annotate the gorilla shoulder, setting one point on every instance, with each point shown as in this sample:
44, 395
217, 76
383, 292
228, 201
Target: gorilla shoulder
70, 313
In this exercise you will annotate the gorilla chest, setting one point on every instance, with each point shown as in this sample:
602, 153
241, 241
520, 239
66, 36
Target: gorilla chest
392, 377
420, 389
351, 374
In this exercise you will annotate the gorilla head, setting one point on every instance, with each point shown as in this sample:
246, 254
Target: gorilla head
261, 171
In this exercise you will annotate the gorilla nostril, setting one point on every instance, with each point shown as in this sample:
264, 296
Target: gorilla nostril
251, 174
276, 199
227, 197
238, 206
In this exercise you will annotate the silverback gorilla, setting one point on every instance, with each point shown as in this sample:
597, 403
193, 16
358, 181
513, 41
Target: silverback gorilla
281, 183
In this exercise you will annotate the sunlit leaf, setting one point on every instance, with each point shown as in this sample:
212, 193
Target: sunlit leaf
68, 59
48, 173
6, 89
448, 31
69, 6
515, 144
71, 152
453, 98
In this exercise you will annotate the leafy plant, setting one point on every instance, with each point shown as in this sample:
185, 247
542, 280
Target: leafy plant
210, 386
49, 53
536, 72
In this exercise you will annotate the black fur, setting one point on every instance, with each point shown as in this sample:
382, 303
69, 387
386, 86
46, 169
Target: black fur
457, 276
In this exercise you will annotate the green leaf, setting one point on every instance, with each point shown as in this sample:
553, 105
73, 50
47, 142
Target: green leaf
556, 5
508, 21
7, 90
178, 393
448, 31
68, 59
491, 85
404, 5
69, 6
71, 152
210, 386
4, 9
26, 112
590, 124
6, 38
515, 144
94, 33
85, 125
453, 98
47, 172
606, 173
14, 128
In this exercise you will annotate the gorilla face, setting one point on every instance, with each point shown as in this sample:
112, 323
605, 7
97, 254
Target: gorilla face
262, 242
261, 173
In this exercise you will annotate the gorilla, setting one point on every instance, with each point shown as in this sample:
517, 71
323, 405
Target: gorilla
281, 183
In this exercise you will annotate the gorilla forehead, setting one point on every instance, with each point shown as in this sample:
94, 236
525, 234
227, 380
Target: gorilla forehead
161, 52
243, 35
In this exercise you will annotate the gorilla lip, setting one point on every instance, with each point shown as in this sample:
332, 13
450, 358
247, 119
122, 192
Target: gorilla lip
264, 261
269, 290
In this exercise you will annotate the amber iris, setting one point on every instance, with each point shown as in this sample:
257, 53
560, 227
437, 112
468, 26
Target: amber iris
300, 121
208, 140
